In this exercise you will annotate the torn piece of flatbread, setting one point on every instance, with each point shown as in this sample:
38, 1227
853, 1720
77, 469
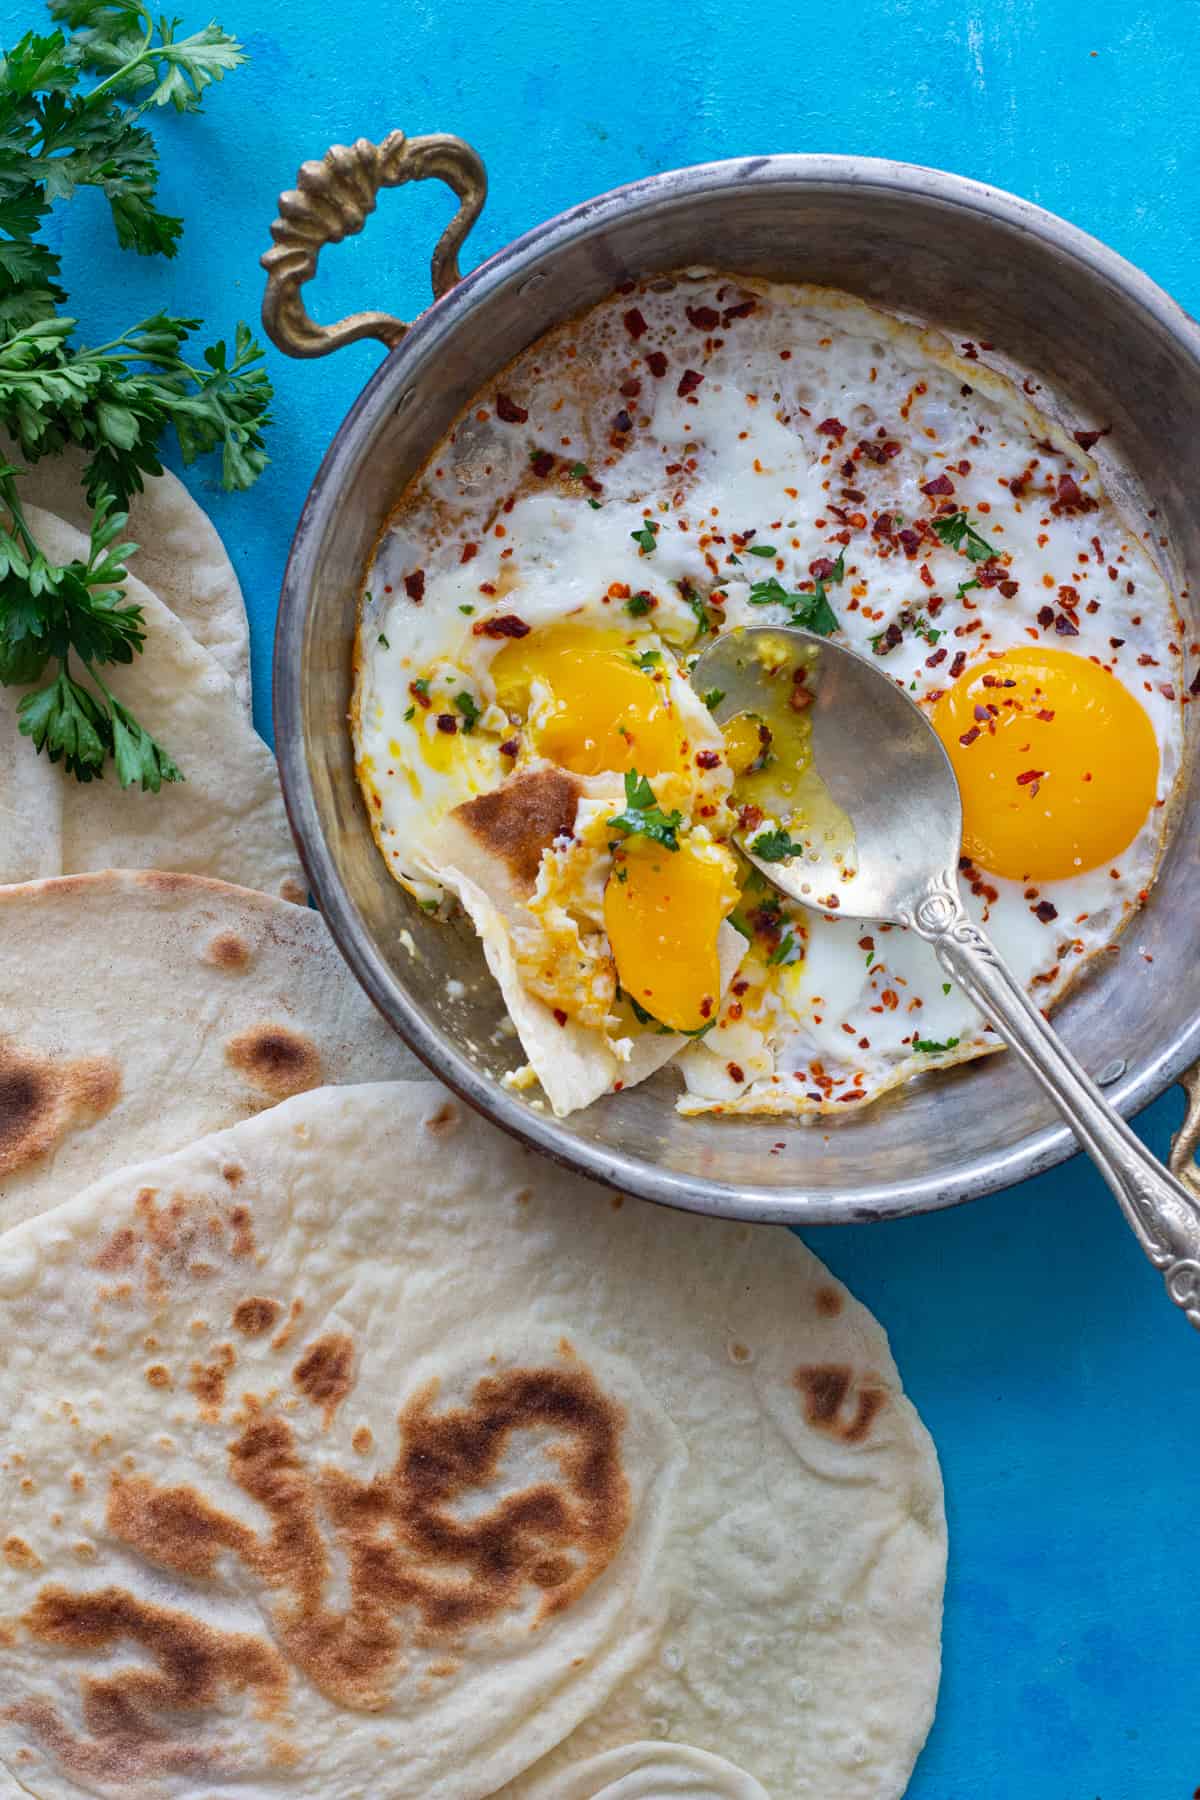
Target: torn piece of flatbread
180, 554
225, 819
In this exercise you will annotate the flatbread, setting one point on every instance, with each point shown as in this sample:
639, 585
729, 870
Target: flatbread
356, 1450
180, 554
225, 819
141, 1010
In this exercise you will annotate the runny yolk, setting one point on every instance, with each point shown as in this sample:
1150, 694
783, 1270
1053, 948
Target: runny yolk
606, 712
1056, 760
662, 912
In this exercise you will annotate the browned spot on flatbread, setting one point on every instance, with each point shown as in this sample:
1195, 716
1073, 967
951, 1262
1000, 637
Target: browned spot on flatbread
443, 1120
827, 1387
158, 1375
119, 1253
420, 1562
293, 890
122, 1743
325, 1373
829, 1302
275, 1059
20, 1555
283, 1335
228, 951
519, 820
208, 1380
363, 1439
255, 1316
42, 1098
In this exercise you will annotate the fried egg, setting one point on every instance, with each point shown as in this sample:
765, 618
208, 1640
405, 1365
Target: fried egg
697, 453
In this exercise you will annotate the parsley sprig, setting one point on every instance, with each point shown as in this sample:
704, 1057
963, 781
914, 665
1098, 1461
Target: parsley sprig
957, 533
775, 845
811, 612
643, 816
928, 1046
60, 133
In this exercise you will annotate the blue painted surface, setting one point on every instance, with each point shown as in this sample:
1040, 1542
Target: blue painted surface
1061, 1388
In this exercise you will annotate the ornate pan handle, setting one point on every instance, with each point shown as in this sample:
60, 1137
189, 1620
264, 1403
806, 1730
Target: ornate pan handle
331, 201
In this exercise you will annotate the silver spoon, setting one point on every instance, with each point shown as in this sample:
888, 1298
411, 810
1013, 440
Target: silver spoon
903, 805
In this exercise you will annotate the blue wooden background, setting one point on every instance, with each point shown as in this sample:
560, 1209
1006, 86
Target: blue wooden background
1060, 1386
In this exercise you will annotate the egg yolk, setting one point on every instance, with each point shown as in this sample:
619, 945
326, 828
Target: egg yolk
607, 713
1056, 760
662, 912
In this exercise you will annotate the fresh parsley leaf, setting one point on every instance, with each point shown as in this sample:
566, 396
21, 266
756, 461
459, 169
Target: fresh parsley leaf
811, 612
648, 660
383, 640
409, 713
964, 587
713, 697
760, 550
838, 572
578, 470
422, 685
466, 609
643, 817
957, 533
638, 605
646, 536
945, 987
928, 1047
594, 504
465, 703
775, 845
691, 598
783, 951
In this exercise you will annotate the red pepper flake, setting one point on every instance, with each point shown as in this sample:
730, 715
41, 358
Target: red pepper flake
941, 484
509, 411
1028, 775
1194, 684
1086, 439
1071, 497
1066, 627
939, 656
867, 944
419, 695
448, 723
506, 626
635, 323
656, 362
1045, 911
750, 817
704, 318
622, 423
630, 389
689, 381
822, 569
509, 747
890, 999
958, 665
1009, 588
560, 1016
742, 311
541, 462
468, 551
735, 1072
1147, 662
414, 586
1045, 617
968, 737
707, 759
1046, 713
799, 699
832, 428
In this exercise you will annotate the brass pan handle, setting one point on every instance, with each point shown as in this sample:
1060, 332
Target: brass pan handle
332, 200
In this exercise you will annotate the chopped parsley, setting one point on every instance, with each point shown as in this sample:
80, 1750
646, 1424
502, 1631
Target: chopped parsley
811, 612
408, 715
928, 1047
647, 660
645, 538
639, 605
760, 549
774, 846
785, 951
384, 641
643, 817
957, 533
578, 470
466, 609
945, 987
594, 504
691, 598
647, 1018
964, 587
421, 686
466, 705
713, 697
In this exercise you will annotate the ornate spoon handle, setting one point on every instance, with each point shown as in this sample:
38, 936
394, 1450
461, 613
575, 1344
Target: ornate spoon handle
1164, 1216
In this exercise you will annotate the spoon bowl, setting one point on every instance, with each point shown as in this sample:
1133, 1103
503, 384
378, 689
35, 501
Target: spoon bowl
876, 834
